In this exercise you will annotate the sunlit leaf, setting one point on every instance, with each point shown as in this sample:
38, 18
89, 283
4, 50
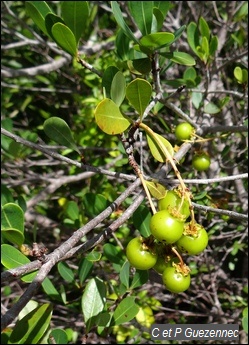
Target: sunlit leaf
155, 142
142, 12
64, 37
12, 223
157, 190
125, 311
37, 10
118, 88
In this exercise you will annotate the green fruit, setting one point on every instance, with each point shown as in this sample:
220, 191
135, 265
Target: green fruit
184, 131
175, 281
193, 244
172, 201
165, 227
201, 161
139, 255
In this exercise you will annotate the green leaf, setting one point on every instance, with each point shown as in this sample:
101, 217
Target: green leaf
156, 40
12, 257
122, 45
50, 20
72, 210
59, 335
139, 92
12, 223
93, 300
50, 290
140, 278
125, 311
113, 254
197, 99
37, 10
205, 49
64, 37
213, 45
180, 58
120, 20
125, 274
143, 66
241, 75
211, 108
109, 118
142, 12
193, 37
66, 272
31, 328
75, 15
118, 88
157, 190
85, 269
58, 130
94, 204
204, 28
107, 78
141, 220
155, 147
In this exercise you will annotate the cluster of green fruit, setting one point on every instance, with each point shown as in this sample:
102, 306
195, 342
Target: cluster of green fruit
201, 160
171, 235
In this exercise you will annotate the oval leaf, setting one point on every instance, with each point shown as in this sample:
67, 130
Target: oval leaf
107, 79
211, 108
75, 15
138, 92
156, 40
59, 335
180, 58
125, 311
37, 10
64, 37
118, 88
157, 190
141, 219
125, 274
109, 118
66, 272
12, 223
140, 278
155, 148
31, 328
85, 269
58, 130
142, 13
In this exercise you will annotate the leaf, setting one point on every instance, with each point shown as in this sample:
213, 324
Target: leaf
94, 204
59, 335
180, 58
107, 78
211, 108
113, 254
118, 88
12, 223
157, 190
58, 130
141, 220
139, 92
50, 20
75, 15
120, 20
140, 278
72, 210
109, 118
142, 12
143, 66
193, 37
31, 328
12, 257
213, 45
37, 10
64, 37
50, 290
204, 28
125, 274
85, 269
93, 300
155, 148
66, 272
156, 40
125, 311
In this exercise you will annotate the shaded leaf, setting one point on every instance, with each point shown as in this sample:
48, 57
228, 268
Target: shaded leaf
50, 20
125, 274
140, 278
113, 254
107, 78
37, 10
109, 118
12, 223
142, 12
58, 130
85, 269
156, 40
141, 220
125, 311
180, 58
66, 272
118, 88
156, 142
211, 108
59, 335
64, 37
138, 92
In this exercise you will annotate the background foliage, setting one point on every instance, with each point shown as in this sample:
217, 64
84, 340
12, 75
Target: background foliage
69, 186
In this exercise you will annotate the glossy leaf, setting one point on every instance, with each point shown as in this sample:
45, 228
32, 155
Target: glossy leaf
12, 223
59, 335
37, 10
122, 45
193, 36
141, 220
143, 66
120, 20
204, 28
113, 254
157, 190
94, 204
140, 278
31, 328
107, 78
58, 130
142, 12
64, 37
50, 290
109, 118
139, 92
125, 311
75, 15
118, 88
156, 40
125, 274
155, 147
50, 20
66, 272
85, 269
93, 300
180, 58
213, 45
